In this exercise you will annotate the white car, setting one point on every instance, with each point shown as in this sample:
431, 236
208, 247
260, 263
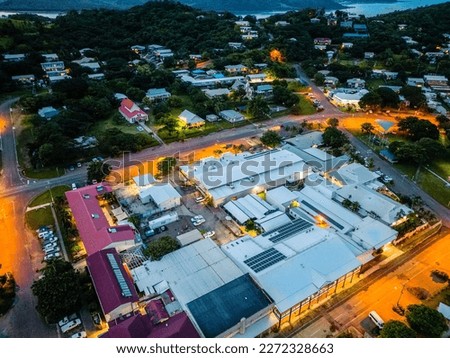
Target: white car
197, 218
199, 222
67, 319
50, 240
52, 250
81, 334
51, 256
200, 199
50, 245
140, 129
70, 325
209, 234
45, 233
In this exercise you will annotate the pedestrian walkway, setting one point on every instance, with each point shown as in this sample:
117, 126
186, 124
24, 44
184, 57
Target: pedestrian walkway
152, 133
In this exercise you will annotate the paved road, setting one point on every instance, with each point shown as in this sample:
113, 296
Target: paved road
413, 269
402, 184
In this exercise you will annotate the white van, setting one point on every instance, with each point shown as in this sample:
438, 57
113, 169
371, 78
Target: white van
376, 319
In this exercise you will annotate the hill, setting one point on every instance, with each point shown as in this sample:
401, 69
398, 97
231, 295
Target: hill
218, 5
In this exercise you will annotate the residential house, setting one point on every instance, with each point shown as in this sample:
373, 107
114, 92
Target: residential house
212, 118
369, 55
14, 57
236, 69
49, 57
53, 66
322, 41
242, 23
264, 90
347, 45
282, 23
191, 119
236, 45
96, 76
314, 20
389, 75
256, 78
356, 83
331, 81
355, 35
157, 94
415, 82
131, 111
24, 79
164, 196
218, 92
360, 28
48, 112
250, 35
435, 80
231, 115
346, 24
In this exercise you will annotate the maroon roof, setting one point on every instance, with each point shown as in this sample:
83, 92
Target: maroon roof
109, 291
130, 110
92, 224
156, 310
178, 326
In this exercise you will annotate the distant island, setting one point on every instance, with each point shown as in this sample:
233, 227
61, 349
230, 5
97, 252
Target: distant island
250, 6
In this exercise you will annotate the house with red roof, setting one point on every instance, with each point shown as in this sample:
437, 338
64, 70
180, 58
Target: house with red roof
131, 112
113, 285
95, 230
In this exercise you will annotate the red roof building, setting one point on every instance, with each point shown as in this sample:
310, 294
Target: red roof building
94, 229
131, 112
114, 287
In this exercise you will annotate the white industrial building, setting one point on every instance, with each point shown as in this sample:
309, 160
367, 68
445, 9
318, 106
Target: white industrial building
307, 140
249, 207
235, 175
220, 299
164, 196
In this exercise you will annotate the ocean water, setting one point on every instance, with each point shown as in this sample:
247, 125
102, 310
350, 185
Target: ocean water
354, 7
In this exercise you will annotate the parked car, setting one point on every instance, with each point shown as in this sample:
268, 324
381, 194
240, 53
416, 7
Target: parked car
74, 186
96, 318
78, 165
197, 218
43, 234
140, 129
67, 319
49, 240
199, 222
52, 250
51, 256
50, 245
81, 334
70, 325
200, 199
209, 234
43, 229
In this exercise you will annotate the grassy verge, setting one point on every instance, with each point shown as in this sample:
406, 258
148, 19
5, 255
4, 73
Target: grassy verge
442, 296
306, 106
46, 197
39, 217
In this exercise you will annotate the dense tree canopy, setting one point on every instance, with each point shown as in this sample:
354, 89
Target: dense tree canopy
58, 291
426, 321
334, 138
160, 247
271, 139
416, 128
396, 329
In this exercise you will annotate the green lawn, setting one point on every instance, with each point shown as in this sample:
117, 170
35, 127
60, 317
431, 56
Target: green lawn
46, 196
306, 106
39, 217
428, 182
101, 126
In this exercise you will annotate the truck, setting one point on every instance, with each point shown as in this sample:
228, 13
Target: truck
163, 220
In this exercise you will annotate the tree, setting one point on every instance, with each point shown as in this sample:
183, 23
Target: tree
367, 128
334, 138
319, 79
7, 292
396, 329
166, 165
388, 97
98, 171
371, 100
284, 96
163, 246
443, 121
333, 122
258, 108
271, 139
426, 321
416, 128
414, 95
433, 148
58, 291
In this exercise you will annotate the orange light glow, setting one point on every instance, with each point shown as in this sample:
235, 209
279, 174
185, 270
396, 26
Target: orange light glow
276, 56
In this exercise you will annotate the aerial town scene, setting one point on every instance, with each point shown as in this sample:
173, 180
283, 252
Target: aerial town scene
170, 171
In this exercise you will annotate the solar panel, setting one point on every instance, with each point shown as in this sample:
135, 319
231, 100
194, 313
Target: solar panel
287, 230
264, 259
126, 292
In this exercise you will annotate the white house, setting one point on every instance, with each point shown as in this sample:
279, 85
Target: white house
191, 119
157, 94
131, 112
231, 115
164, 196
